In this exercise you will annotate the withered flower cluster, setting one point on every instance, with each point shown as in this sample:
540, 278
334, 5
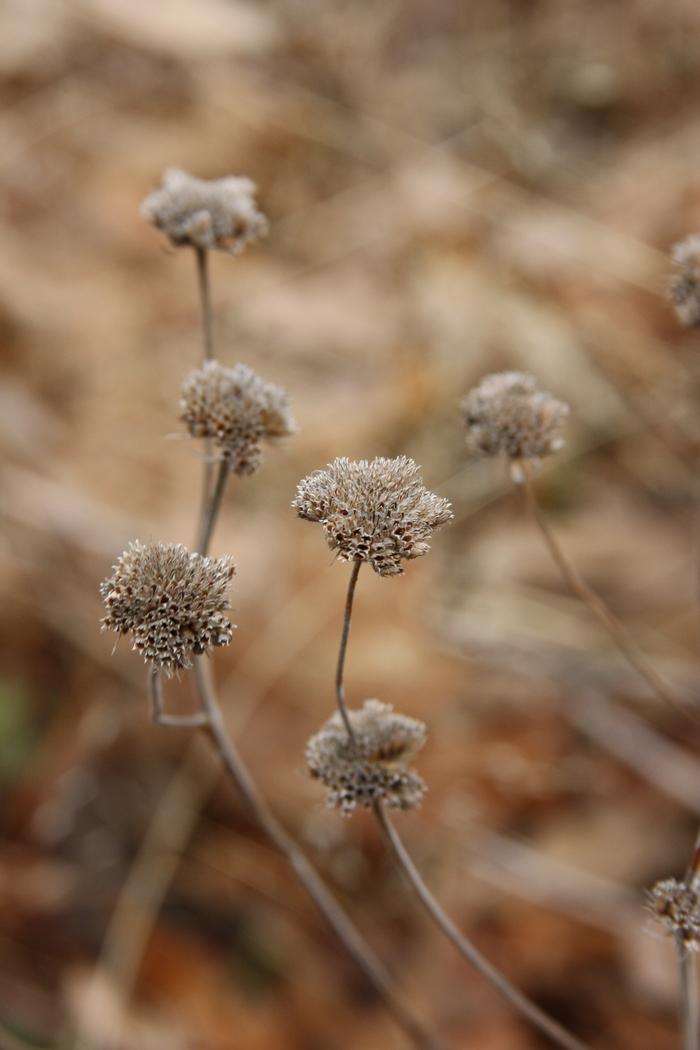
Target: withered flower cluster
374, 766
684, 284
206, 213
375, 511
676, 905
173, 602
236, 409
508, 415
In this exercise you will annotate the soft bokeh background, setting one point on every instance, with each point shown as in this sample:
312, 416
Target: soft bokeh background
453, 189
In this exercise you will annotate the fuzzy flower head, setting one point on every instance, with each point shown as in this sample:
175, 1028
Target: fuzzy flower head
206, 214
684, 284
677, 906
173, 602
375, 766
508, 415
236, 409
376, 511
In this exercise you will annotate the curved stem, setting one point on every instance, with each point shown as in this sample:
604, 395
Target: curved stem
326, 903
516, 998
210, 512
155, 686
596, 605
342, 651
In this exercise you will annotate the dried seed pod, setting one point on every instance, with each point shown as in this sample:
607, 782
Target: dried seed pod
236, 409
508, 415
684, 284
376, 511
373, 767
172, 601
206, 214
676, 905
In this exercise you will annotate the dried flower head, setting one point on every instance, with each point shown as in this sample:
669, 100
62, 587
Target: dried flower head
507, 415
684, 284
238, 410
377, 511
677, 906
375, 766
173, 602
216, 213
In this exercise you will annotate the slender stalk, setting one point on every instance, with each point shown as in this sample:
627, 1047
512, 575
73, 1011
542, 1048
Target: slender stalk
203, 283
343, 648
520, 1002
593, 601
326, 903
205, 301
688, 995
210, 511
193, 721
210, 719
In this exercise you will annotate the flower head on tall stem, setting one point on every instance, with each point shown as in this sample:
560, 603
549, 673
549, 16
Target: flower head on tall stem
237, 410
373, 766
173, 602
508, 415
375, 511
684, 284
206, 214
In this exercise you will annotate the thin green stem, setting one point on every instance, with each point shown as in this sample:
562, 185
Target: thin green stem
520, 1002
342, 651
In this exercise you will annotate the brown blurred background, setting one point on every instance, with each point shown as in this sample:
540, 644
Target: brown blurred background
453, 189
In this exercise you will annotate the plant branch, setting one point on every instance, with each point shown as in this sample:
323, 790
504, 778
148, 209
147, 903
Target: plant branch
205, 301
688, 995
160, 717
516, 998
615, 628
202, 258
336, 917
210, 510
342, 651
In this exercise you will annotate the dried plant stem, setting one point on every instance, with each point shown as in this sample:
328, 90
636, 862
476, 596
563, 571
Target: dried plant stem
688, 995
594, 602
336, 917
202, 257
520, 1002
343, 648
210, 511
205, 300
193, 721
211, 720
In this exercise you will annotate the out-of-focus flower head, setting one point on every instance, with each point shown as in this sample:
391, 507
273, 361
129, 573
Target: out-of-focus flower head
206, 214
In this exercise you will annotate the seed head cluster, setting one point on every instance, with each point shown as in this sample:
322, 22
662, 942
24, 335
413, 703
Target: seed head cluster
206, 214
677, 906
238, 410
508, 415
376, 511
375, 766
684, 284
172, 601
